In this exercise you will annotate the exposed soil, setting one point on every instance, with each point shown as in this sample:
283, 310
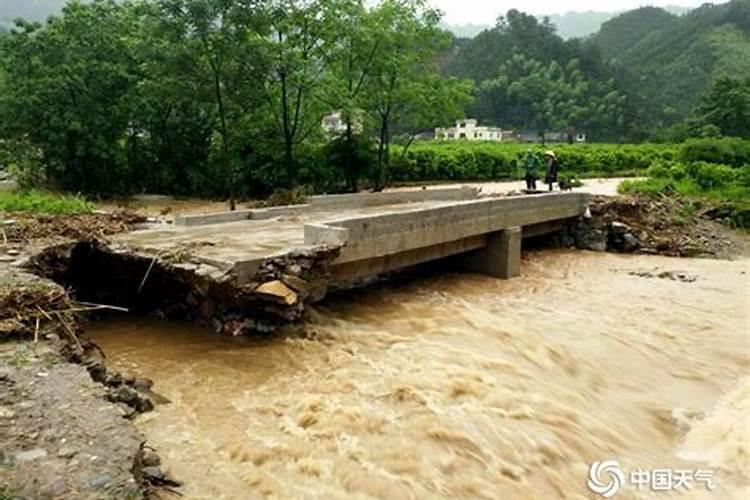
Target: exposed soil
668, 225
64, 419
60, 437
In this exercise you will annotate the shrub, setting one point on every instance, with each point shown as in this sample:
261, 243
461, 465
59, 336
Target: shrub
727, 150
43, 203
710, 175
434, 161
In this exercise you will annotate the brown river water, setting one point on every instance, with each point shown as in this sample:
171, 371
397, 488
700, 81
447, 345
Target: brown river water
462, 386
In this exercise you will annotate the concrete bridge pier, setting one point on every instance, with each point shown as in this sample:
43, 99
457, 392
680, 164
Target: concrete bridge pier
501, 258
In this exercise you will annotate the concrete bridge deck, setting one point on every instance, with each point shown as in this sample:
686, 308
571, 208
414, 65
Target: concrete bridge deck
377, 232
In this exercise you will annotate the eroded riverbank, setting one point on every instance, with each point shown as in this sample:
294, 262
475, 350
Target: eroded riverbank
463, 386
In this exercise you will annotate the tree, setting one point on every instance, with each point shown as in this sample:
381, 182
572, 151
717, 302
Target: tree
529, 94
357, 46
404, 79
65, 93
222, 38
726, 108
298, 54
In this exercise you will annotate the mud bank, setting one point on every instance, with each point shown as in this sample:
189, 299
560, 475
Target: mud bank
65, 422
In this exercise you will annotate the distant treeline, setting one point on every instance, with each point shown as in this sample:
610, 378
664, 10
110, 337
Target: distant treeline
225, 98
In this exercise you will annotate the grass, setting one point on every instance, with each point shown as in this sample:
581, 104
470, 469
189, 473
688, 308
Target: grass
43, 202
8, 493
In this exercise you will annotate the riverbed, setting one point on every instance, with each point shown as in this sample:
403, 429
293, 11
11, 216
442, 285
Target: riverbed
463, 386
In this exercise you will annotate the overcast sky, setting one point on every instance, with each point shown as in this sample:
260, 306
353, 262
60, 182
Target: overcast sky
486, 11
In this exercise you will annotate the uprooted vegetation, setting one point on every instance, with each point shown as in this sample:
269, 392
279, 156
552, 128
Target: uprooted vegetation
24, 228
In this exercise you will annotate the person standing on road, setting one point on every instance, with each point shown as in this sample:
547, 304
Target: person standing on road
532, 163
552, 166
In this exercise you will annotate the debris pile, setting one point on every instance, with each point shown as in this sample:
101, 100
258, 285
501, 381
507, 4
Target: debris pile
667, 225
25, 228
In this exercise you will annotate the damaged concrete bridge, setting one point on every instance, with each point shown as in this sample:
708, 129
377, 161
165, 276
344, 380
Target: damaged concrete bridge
486, 232
376, 233
251, 270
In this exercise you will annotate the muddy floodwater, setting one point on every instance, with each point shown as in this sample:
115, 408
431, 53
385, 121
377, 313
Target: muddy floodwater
463, 386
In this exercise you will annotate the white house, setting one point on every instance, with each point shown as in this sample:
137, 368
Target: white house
334, 124
469, 130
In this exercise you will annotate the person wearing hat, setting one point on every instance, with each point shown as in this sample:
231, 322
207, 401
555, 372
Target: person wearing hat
552, 167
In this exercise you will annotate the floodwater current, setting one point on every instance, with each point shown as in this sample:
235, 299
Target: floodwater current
463, 386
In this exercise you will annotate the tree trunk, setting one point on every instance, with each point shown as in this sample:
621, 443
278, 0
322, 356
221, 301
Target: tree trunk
351, 176
382, 155
227, 165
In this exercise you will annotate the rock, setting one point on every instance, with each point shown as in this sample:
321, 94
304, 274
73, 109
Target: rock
114, 380
125, 410
630, 243
153, 473
97, 369
150, 459
143, 384
144, 404
277, 291
101, 482
126, 395
302, 287
67, 452
6, 412
5, 375
58, 489
156, 476
619, 228
30, 455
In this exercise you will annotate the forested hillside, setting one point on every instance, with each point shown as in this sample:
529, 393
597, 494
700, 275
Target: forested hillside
644, 72
624, 31
668, 62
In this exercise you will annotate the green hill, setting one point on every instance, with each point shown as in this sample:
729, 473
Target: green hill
624, 31
671, 61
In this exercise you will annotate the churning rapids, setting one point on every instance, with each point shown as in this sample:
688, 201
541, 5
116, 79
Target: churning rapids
462, 386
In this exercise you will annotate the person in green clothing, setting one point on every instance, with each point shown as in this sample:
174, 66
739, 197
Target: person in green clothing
532, 163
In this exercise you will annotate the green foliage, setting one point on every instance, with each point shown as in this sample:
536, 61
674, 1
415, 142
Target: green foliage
618, 35
65, 92
42, 202
23, 161
710, 175
726, 108
728, 150
727, 186
666, 62
491, 161
353, 156
218, 98
651, 187
529, 94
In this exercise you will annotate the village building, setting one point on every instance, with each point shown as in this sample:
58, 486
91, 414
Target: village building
469, 129
334, 124
569, 137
